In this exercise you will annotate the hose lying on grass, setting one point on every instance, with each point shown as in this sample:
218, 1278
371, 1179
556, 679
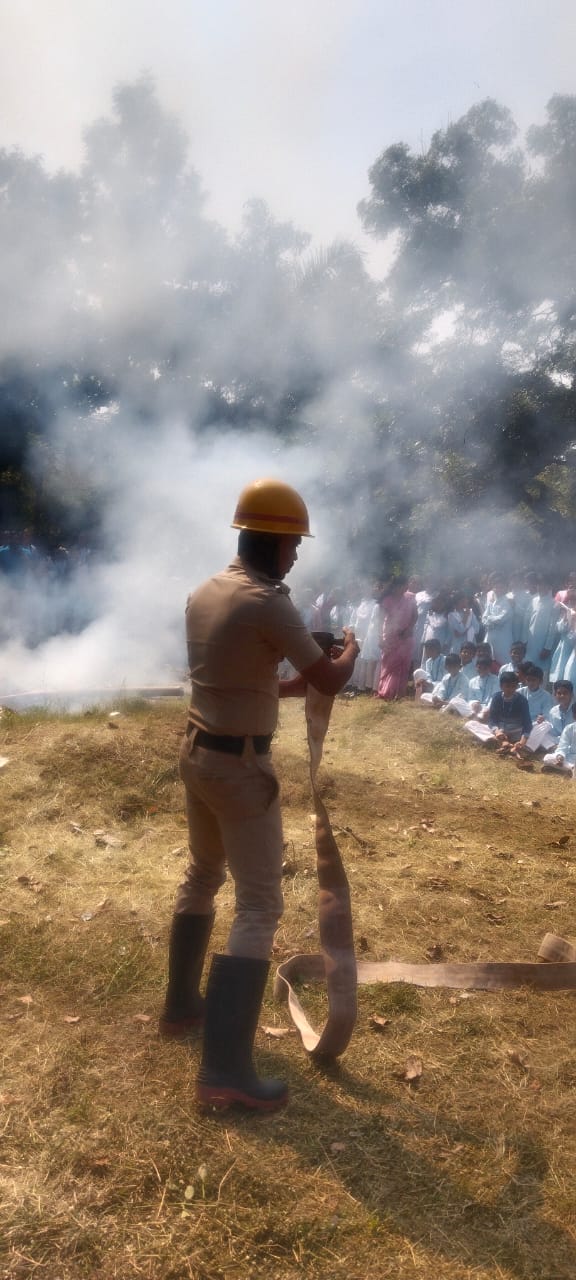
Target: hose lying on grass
337, 967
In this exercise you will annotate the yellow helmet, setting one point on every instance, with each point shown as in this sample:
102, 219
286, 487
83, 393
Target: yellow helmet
270, 506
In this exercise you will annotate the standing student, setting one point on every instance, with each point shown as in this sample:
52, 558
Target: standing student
543, 626
562, 660
463, 622
239, 624
497, 619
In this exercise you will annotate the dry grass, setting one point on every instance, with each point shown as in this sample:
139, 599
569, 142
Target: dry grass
107, 1171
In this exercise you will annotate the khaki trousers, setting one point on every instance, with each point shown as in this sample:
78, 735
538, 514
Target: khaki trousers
234, 820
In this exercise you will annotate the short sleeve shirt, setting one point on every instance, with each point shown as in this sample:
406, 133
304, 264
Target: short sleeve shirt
239, 626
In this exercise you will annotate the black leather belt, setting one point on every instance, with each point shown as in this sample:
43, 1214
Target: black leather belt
229, 744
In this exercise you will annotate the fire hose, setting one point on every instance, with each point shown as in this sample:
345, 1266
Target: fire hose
336, 966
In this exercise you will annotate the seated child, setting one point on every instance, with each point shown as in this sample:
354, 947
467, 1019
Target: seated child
482, 688
484, 650
509, 720
468, 659
538, 699
427, 676
517, 655
547, 732
563, 758
560, 715
452, 684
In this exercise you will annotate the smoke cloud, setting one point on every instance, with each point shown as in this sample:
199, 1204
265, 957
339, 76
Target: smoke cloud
154, 364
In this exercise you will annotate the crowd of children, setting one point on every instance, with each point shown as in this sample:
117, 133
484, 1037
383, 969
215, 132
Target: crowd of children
501, 658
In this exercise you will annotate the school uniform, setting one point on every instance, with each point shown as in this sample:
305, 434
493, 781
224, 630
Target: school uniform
564, 651
522, 606
512, 715
539, 701
567, 749
450, 687
497, 620
542, 631
432, 671
483, 688
559, 718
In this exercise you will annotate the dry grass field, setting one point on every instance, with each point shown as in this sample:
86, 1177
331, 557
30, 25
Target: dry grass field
107, 1171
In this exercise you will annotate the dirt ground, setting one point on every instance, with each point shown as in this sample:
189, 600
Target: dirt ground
107, 1170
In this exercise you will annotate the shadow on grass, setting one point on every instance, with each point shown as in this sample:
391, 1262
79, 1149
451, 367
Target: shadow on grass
408, 1194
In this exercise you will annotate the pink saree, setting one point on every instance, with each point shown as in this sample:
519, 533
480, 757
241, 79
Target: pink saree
400, 617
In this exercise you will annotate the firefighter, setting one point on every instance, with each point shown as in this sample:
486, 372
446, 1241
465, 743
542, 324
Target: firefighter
239, 625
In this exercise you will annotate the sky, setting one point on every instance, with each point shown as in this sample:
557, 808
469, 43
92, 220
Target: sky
289, 103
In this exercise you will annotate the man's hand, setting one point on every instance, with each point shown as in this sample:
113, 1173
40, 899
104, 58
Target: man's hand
350, 641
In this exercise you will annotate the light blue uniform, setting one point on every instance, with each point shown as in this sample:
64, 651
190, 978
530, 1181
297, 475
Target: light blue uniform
483, 688
567, 744
434, 668
539, 701
542, 631
559, 719
449, 686
498, 618
436, 628
522, 606
564, 650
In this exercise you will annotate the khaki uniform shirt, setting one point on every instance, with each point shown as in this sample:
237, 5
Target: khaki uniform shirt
239, 626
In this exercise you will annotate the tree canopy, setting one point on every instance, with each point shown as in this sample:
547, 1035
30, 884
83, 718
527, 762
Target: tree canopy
441, 400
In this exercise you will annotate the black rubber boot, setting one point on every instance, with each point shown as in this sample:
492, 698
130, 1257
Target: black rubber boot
227, 1076
183, 1009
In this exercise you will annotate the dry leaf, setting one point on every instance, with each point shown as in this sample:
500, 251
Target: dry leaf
414, 1068
71, 1018
478, 893
25, 1000
335, 1147
141, 1017
89, 915
519, 1058
435, 952
553, 906
109, 842
378, 1023
277, 1033
76, 828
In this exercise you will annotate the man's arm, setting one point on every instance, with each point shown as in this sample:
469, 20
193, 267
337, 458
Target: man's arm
330, 675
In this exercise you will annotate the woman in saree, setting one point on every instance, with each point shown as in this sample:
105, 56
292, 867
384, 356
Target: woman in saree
400, 618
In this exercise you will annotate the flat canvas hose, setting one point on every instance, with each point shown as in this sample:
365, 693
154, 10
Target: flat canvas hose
337, 966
